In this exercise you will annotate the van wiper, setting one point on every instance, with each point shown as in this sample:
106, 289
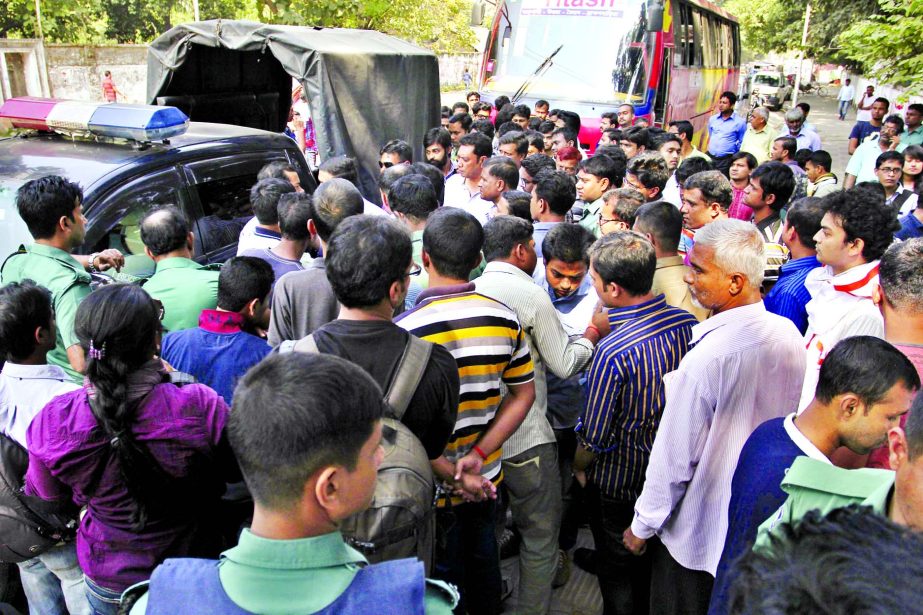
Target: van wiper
545, 65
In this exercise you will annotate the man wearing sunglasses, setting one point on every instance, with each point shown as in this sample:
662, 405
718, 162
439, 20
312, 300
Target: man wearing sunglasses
394, 152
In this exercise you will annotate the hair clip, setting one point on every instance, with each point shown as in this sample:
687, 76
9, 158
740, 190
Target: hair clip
97, 353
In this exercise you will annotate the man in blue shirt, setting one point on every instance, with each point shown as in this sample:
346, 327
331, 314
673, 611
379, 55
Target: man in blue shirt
789, 297
625, 399
725, 132
797, 128
865, 385
221, 349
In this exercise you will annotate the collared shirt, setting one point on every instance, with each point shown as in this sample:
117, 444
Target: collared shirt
218, 352
911, 227
304, 575
908, 203
910, 137
486, 340
841, 306
789, 297
185, 288
302, 301
756, 494
715, 399
280, 265
671, 192
68, 283
539, 231
625, 392
847, 92
548, 342
862, 163
256, 237
758, 143
815, 485
796, 168
725, 134
806, 138
416, 242
668, 281
24, 391
697, 153
181, 427
590, 218
825, 184
738, 209
575, 311
458, 195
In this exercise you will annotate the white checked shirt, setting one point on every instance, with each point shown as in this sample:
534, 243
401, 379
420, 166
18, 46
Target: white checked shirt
24, 391
458, 195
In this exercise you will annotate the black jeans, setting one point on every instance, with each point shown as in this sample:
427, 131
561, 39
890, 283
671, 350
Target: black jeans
722, 163
573, 511
468, 557
676, 590
624, 578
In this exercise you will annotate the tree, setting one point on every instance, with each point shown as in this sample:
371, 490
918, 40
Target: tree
889, 45
776, 25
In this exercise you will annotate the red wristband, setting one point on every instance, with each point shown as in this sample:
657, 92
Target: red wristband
481, 454
595, 328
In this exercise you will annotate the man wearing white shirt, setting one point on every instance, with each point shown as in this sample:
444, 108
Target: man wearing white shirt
344, 167
262, 231
856, 230
844, 98
745, 367
53, 580
865, 385
463, 189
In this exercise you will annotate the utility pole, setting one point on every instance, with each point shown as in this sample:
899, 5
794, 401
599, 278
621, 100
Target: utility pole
38, 19
804, 43
195, 9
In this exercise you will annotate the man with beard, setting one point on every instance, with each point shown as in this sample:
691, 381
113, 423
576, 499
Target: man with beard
437, 147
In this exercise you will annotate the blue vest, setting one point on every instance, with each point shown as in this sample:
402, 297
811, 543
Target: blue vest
189, 586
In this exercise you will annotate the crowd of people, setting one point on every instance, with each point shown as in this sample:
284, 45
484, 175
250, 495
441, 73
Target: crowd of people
706, 356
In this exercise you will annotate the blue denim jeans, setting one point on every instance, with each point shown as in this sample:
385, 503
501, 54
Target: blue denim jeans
843, 108
467, 556
53, 582
102, 601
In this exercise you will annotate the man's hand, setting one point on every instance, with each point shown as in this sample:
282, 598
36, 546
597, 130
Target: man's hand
469, 464
600, 320
580, 477
636, 545
474, 488
109, 259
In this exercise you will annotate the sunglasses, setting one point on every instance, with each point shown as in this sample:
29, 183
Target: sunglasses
385, 165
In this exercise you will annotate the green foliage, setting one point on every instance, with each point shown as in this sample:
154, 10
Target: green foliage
776, 25
889, 46
441, 25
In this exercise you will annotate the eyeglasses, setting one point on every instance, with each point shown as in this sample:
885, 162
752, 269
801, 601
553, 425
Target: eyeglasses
889, 170
603, 221
415, 269
385, 165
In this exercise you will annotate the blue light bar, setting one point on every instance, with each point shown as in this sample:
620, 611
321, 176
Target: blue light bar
138, 122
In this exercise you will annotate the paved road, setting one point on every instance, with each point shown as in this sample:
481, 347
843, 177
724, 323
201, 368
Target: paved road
834, 134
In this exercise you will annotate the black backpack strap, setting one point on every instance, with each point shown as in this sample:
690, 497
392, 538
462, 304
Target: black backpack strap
900, 199
408, 375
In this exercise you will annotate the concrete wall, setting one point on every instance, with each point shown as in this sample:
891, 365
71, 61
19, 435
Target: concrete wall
451, 68
75, 71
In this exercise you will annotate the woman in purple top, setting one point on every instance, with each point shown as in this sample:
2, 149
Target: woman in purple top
145, 457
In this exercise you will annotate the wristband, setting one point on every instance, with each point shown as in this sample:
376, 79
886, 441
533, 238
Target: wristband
596, 329
480, 453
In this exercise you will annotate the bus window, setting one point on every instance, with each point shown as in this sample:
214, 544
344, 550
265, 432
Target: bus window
615, 68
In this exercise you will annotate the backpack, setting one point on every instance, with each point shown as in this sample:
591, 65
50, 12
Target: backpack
400, 520
29, 525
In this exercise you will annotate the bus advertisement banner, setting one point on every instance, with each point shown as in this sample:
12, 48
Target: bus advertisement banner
573, 8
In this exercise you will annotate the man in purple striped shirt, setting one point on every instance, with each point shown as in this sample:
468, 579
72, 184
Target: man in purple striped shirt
745, 367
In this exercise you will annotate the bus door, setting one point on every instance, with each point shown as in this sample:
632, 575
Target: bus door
663, 87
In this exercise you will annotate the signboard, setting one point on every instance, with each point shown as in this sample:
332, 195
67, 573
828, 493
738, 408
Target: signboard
572, 8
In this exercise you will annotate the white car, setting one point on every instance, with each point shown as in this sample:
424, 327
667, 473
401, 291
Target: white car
772, 86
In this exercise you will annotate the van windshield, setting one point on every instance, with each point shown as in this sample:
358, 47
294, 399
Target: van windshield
770, 80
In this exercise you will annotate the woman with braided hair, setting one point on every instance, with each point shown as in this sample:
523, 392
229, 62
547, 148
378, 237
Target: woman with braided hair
148, 459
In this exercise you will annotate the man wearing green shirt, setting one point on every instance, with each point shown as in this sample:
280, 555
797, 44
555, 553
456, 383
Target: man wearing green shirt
913, 127
596, 176
52, 209
184, 287
306, 430
816, 485
412, 199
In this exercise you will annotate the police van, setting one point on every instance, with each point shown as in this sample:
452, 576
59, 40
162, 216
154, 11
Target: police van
131, 158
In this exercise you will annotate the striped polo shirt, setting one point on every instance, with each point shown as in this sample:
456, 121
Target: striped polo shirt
625, 393
487, 342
